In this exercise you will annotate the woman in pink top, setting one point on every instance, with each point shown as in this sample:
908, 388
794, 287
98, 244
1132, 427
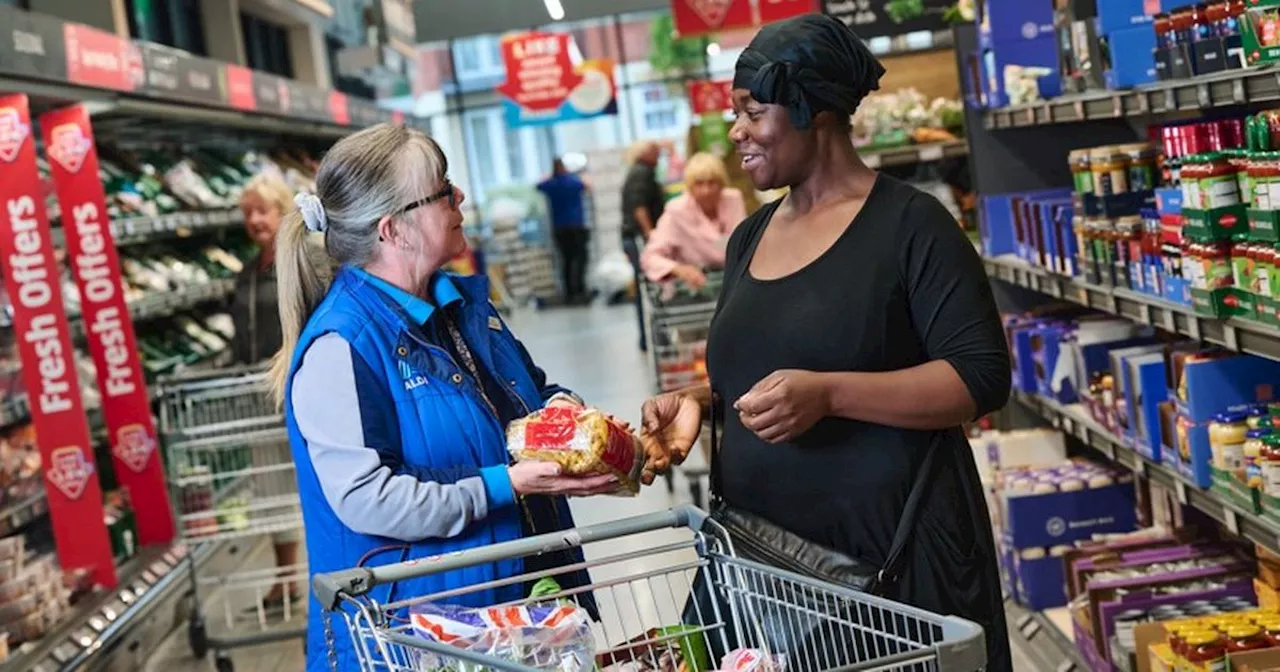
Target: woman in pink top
693, 230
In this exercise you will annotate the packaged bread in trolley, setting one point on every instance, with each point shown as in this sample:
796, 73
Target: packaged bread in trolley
584, 441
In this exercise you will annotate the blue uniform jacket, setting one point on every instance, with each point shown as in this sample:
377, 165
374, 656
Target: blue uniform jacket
413, 460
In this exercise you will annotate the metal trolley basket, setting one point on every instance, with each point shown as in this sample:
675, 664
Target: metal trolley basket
645, 611
231, 479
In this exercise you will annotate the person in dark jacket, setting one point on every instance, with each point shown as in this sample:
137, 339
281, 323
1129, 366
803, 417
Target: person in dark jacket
642, 205
855, 333
564, 192
398, 381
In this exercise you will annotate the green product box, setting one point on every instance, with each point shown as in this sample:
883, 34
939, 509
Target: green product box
1224, 302
1270, 507
1260, 20
1229, 222
1264, 226
1226, 484
1266, 309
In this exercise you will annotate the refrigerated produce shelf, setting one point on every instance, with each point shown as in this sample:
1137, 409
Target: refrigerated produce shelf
135, 230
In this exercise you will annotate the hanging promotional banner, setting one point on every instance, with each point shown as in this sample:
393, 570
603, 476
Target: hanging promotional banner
778, 10
699, 17
706, 96
544, 86
91, 251
44, 343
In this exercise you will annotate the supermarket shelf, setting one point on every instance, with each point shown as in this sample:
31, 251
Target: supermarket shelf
19, 514
134, 230
1238, 87
1234, 334
903, 156
165, 304
1075, 421
1039, 636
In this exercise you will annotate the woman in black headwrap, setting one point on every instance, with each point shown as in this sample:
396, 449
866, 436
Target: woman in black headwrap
855, 333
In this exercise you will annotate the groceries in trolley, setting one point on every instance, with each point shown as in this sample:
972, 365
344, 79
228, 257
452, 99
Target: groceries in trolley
553, 636
584, 441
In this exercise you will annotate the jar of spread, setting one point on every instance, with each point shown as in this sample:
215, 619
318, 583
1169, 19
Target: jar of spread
1182, 22
1217, 264
1217, 182
1083, 241
1265, 176
1254, 451
1270, 464
1081, 173
1205, 652
1239, 159
1235, 14
1227, 434
1110, 169
1128, 250
1241, 269
1201, 28
1125, 622
1244, 638
1103, 248
1271, 630
1163, 26
1142, 166
1192, 167
1216, 19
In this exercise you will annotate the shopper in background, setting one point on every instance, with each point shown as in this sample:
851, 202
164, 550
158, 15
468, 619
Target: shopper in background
254, 313
398, 381
693, 230
564, 192
855, 333
642, 205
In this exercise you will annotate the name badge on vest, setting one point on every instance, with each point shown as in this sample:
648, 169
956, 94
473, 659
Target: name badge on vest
494, 323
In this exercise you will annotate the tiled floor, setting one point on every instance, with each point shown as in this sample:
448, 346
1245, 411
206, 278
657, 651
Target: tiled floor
592, 351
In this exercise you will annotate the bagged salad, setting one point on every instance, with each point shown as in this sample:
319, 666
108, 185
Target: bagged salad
584, 441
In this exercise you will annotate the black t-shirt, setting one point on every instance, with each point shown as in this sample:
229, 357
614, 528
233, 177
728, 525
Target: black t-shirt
255, 313
900, 287
640, 190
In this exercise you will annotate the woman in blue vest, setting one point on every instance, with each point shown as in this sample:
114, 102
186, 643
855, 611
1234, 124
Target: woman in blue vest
398, 381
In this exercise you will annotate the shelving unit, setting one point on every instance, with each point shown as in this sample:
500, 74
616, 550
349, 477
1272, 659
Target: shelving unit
911, 154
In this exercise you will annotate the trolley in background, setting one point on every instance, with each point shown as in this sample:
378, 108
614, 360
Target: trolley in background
677, 322
642, 594
231, 479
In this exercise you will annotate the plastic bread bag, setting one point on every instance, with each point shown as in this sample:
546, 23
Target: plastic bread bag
545, 636
752, 660
584, 441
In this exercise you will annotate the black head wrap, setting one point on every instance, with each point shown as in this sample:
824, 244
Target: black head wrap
808, 64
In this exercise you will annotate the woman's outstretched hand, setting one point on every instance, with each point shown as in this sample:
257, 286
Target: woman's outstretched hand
547, 478
670, 425
784, 405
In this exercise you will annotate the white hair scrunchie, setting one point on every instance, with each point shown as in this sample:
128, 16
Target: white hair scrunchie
312, 212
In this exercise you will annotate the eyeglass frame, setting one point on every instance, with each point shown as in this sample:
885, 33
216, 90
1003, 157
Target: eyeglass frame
449, 191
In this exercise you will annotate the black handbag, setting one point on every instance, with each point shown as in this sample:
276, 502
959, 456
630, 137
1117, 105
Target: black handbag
755, 538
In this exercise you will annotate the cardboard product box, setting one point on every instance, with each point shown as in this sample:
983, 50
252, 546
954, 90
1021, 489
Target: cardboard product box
1264, 660
1124, 404
1268, 597
1205, 385
1145, 389
993, 451
1131, 56
1053, 369
1115, 15
1041, 52
1093, 359
1194, 451
1014, 20
1258, 31
1168, 201
1228, 222
1052, 519
1040, 581
1080, 54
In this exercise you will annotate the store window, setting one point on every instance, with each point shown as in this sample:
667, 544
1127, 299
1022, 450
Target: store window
515, 154
174, 23
266, 45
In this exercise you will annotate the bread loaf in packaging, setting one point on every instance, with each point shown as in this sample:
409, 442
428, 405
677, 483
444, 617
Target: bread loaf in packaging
584, 441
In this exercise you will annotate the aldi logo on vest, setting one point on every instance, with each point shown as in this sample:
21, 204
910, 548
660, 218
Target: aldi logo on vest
69, 146
12, 134
411, 380
69, 471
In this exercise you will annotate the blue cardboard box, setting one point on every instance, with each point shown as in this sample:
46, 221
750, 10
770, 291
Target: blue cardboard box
1133, 61
1145, 387
1124, 407
1193, 439
1169, 201
1041, 583
1208, 387
1024, 363
1040, 52
1056, 518
1177, 290
1049, 342
1116, 15
1007, 20
995, 225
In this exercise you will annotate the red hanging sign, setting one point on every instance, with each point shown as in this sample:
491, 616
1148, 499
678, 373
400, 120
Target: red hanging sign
240, 93
91, 251
102, 59
697, 17
44, 343
777, 10
540, 75
707, 96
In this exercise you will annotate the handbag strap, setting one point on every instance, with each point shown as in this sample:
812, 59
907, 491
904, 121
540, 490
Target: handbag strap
890, 571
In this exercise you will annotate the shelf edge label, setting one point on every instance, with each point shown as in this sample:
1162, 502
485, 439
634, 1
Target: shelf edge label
91, 252
44, 343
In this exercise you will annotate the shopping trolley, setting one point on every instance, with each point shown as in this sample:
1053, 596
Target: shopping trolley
231, 480
646, 615
676, 327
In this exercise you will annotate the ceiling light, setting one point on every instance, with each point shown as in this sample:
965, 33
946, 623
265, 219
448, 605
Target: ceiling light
555, 9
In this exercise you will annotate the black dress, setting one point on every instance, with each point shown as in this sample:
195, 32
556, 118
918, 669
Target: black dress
901, 286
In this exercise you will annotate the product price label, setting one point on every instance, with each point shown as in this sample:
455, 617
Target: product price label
91, 252
43, 340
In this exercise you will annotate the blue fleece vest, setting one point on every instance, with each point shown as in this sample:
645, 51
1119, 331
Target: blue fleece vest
442, 423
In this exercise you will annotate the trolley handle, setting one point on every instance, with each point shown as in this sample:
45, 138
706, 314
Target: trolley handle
331, 587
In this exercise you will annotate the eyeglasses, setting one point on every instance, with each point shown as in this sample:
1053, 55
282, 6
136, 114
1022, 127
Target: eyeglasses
448, 192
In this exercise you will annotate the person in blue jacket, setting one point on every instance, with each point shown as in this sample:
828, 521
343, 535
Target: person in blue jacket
398, 381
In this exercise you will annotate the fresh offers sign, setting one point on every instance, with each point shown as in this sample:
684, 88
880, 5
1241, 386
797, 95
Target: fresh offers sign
544, 86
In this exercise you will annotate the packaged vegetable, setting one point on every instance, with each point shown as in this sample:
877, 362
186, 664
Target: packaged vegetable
550, 636
584, 441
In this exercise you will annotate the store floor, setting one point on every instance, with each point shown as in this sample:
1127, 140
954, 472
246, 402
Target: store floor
592, 351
